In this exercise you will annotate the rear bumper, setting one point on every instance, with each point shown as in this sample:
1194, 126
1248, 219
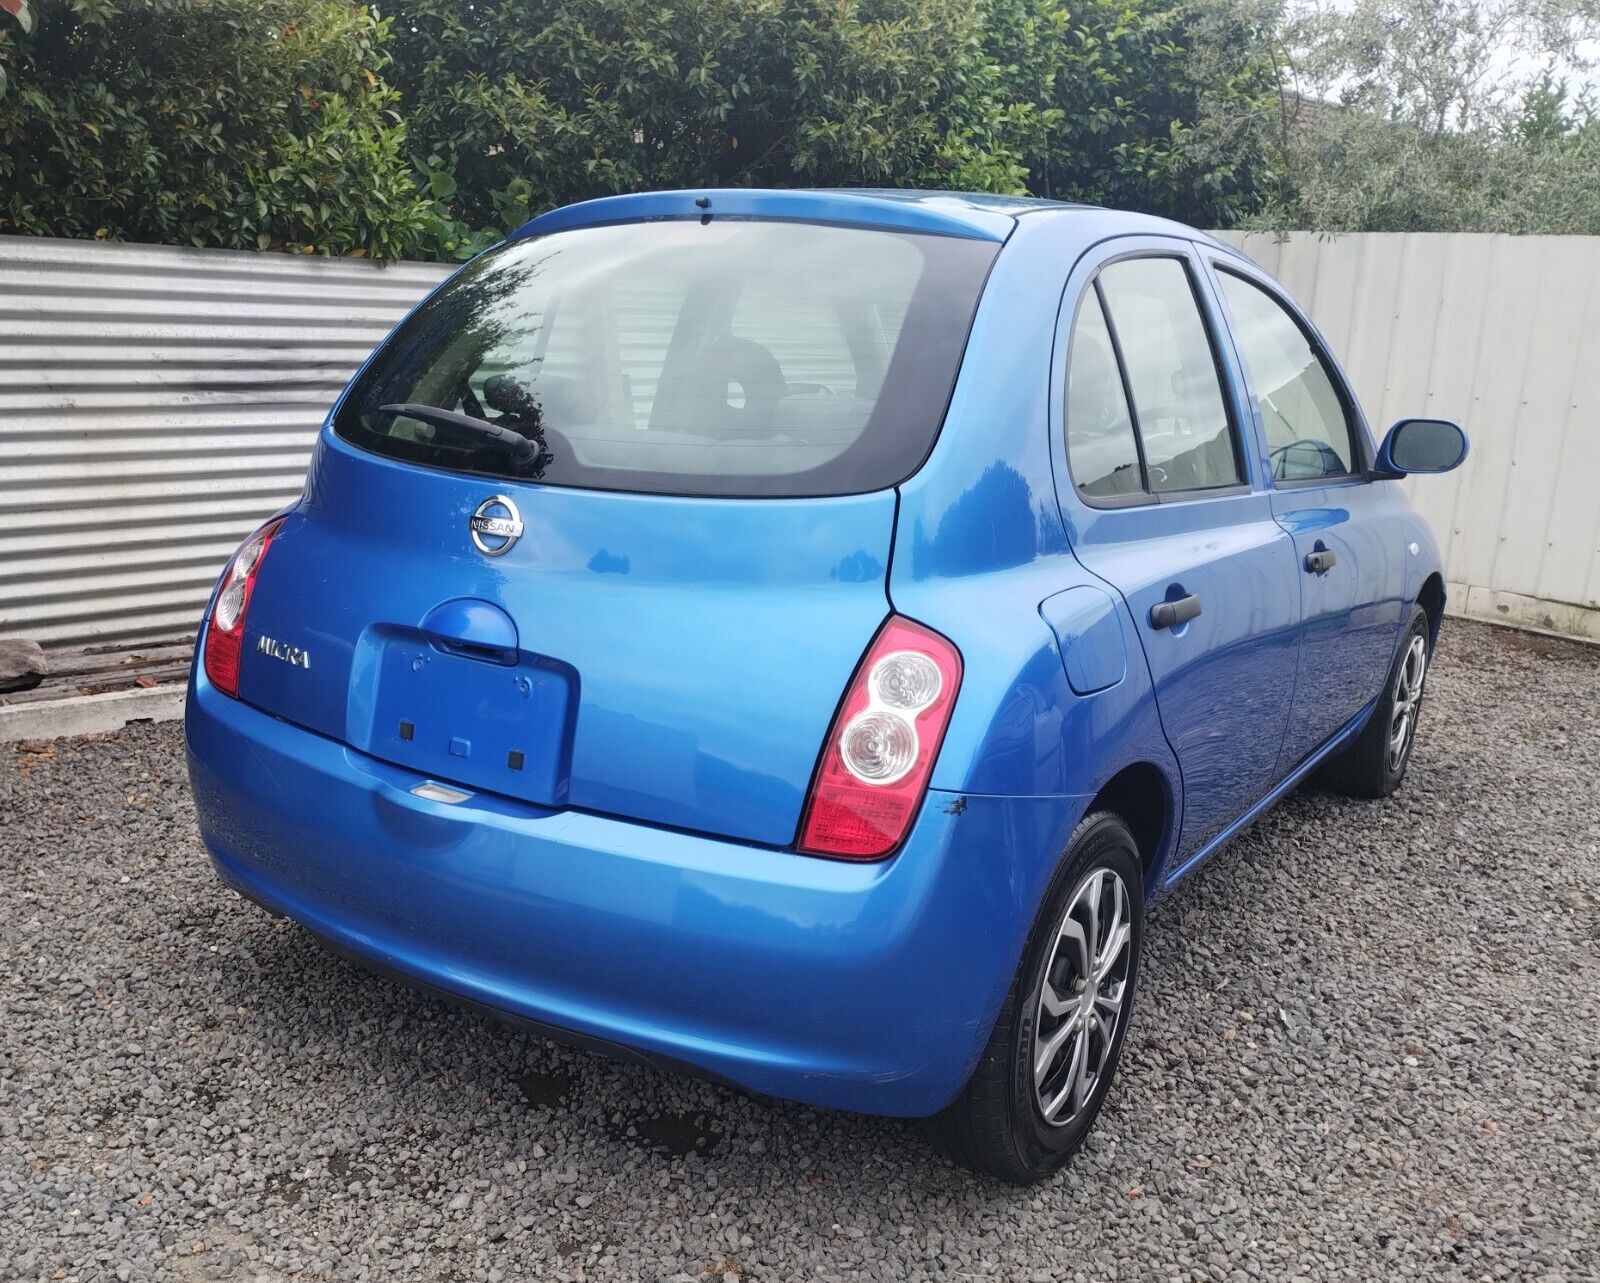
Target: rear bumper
863, 987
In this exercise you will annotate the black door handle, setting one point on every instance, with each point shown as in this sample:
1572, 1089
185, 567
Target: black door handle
1321, 561
1169, 614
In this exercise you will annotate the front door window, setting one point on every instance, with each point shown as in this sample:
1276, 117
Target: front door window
1307, 427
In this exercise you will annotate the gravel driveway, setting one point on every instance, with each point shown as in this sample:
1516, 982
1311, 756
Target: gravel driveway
1368, 1045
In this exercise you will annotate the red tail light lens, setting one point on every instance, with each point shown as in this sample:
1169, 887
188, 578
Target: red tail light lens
225, 626
882, 745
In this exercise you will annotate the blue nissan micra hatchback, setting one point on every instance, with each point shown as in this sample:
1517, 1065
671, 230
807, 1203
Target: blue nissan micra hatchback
793, 636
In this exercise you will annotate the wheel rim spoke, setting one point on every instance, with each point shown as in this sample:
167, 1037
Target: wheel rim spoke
1045, 1058
1081, 1086
1089, 899
1112, 954
1072, 933
1109, 999
1106, 1029
1053, 1003
1053, 1108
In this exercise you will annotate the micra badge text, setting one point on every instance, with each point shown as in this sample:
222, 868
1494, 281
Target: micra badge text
282, 650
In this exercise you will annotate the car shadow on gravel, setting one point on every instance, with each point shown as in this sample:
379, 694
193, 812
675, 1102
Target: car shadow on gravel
335, 1008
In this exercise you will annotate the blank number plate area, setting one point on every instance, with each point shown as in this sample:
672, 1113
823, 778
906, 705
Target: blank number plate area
477, 722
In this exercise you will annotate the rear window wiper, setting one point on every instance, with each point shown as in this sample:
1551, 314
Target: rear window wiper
519, 447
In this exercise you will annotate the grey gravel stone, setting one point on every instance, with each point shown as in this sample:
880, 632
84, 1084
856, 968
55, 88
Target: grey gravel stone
1366, 1047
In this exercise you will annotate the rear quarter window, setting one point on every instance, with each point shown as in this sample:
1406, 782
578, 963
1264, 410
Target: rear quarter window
733, 357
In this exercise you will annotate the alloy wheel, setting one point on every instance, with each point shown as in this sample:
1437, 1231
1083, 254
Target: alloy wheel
1082, 998
1407, 698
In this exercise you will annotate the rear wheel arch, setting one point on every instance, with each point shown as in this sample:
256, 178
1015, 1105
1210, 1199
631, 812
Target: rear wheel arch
998, 1125
1143, 798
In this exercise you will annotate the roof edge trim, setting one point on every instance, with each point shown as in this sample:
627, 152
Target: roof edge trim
939, 215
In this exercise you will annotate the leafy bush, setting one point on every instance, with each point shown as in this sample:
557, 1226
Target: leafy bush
1171, 110
1357, 173
430, 132
517, 105
1441, 116
235, 123
269, 122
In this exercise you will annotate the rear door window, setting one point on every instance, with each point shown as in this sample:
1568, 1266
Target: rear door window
732, 357
1171, 368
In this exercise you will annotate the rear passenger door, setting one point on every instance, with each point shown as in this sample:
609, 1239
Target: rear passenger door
1159, 495
1314, 448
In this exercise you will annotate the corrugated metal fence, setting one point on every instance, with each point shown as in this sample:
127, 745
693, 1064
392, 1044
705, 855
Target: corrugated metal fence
155, 403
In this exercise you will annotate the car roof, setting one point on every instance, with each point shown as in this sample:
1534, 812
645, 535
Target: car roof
972, 215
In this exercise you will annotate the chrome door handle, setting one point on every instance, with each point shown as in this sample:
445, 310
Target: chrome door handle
1169, 614
1321, 561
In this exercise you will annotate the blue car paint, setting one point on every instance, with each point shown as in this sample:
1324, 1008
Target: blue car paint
1225, 678
989, 218
716, 598
1089, 637
686, 931
1175, 872
1349, 622
1224, 681
1350, 617
474, 626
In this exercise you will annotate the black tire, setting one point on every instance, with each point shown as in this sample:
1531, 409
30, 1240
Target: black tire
1372, 767
997, 1125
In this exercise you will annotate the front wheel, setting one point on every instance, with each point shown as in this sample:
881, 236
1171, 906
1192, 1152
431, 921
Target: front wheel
1049, 1062
1375, 764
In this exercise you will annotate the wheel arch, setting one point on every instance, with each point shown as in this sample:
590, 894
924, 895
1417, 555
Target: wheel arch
1146, 801
1431, 597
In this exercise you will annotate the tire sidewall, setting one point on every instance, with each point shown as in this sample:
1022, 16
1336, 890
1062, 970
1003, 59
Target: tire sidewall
1101, 840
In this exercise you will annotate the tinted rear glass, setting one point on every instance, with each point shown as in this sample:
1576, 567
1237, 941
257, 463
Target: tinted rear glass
733, 358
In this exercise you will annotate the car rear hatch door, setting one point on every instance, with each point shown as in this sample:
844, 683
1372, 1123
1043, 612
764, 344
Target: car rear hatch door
673, 660
679, 440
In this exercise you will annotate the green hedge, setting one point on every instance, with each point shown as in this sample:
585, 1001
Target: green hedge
316, 125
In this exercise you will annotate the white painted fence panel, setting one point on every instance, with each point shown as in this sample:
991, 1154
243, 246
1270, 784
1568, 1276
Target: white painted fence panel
155, 403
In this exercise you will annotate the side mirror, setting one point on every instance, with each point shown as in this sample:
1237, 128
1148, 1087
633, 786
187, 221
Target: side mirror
1421, 445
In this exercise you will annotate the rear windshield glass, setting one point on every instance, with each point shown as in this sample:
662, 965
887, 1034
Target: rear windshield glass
733, 358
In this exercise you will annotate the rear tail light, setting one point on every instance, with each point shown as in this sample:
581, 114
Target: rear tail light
882, 744
225, 627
